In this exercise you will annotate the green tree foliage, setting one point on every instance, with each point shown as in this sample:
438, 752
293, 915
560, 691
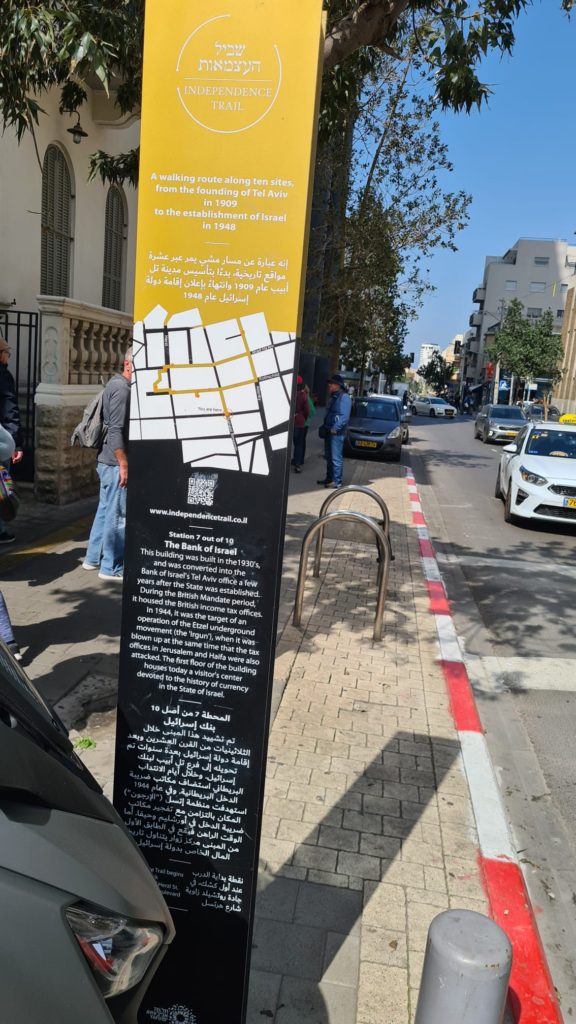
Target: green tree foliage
70, 43
436, 373
528, 348
395, 215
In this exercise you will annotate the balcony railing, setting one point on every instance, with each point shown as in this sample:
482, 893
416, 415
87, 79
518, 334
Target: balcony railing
479, 294
81, 343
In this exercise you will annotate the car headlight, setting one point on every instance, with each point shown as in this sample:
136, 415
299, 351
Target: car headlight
394, 433
532, 478
119, 951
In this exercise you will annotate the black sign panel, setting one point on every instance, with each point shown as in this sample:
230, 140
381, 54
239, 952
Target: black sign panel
199, 625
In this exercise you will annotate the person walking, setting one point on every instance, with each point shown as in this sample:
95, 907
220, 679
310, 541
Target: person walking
334, 430
300, 417
105, 550
311, 415
10, 420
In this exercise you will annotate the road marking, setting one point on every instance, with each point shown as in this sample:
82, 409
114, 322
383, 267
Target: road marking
533, 998
479, 561
489, 811
497, 675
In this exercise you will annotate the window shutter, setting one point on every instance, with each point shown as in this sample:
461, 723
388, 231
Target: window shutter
114, 249
56, 224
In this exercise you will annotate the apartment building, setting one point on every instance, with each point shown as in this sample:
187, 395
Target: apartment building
426, 352
536, 271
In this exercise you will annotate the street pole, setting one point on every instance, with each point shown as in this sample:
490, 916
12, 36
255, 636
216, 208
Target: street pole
466, 970
496, 391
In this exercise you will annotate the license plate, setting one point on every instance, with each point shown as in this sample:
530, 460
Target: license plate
510, 433
569, 502
366, 444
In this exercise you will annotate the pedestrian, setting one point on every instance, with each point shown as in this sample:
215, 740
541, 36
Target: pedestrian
300, 417
333, 430
105, 550
311, 415
10, 420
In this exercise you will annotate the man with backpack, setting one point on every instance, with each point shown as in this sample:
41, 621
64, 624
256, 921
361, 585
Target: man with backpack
105, 550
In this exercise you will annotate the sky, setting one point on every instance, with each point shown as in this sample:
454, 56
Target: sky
517, 158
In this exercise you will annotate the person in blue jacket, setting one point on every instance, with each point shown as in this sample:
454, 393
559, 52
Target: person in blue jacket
335, 423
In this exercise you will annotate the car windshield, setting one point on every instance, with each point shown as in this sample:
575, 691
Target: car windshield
559, 444
506, 412
374, 410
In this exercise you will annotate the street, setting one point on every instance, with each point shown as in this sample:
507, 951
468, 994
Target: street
511, 589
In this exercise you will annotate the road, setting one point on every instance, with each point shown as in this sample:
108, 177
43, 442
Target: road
512, 591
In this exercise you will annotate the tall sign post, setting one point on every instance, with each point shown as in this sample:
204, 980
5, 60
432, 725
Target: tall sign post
229, 115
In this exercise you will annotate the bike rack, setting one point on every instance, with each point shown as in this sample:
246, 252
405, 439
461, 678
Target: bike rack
358, 489
383, 567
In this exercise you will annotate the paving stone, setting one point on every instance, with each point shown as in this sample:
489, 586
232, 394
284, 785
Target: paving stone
276, 898
262, 996
358, 864
301, 1001
382, 994
315, 857
384, 946
339, 838
342, 960
283, 948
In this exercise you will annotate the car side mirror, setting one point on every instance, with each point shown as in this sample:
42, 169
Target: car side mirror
510, 448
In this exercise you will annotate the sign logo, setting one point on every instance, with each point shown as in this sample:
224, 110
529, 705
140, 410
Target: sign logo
227, 80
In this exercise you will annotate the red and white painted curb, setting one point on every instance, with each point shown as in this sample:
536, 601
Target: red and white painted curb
532, 998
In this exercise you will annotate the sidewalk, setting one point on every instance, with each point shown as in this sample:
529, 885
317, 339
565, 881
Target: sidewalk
368, 829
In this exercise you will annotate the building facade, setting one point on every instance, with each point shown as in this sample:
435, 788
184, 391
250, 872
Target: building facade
538, 272
426, 352
66, 288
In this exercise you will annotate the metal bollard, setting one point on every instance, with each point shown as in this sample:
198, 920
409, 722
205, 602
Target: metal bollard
466, 971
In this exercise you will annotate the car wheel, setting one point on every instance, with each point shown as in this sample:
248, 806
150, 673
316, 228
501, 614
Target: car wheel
498, 488
509, 516
414, 410
432, 413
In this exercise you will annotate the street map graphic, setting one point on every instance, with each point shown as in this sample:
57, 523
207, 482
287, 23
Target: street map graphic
222, 389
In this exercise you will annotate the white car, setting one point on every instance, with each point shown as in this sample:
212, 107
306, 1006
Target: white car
429, 406
537, 474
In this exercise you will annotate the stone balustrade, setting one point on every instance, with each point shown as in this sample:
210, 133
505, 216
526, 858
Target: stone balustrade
82, 346
81, 343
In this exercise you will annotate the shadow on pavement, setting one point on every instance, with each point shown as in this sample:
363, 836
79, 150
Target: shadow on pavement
306, 942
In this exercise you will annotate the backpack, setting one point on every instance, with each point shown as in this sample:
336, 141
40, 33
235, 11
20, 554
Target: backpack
91, 431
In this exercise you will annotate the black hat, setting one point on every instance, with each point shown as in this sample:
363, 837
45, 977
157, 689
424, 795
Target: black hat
338, 379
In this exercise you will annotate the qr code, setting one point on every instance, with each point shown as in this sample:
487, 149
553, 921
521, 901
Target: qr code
201, 489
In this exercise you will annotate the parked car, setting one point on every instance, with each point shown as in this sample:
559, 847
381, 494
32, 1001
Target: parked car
405, 417
430, 406
83, 926
375, 428
535, 411
537, 474
499, 423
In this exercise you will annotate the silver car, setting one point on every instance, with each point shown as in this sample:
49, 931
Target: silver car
498, 423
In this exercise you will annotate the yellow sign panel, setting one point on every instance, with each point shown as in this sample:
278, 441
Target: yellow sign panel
229, 112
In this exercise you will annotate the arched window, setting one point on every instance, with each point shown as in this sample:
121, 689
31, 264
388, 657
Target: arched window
114, 249
57, 224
